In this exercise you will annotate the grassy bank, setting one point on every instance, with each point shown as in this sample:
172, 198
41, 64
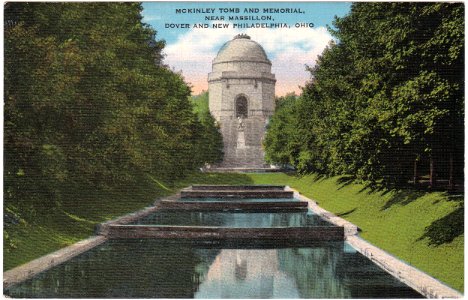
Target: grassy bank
396, 221
45, 231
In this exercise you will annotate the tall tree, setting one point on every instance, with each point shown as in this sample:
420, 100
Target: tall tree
88, 101
388, 93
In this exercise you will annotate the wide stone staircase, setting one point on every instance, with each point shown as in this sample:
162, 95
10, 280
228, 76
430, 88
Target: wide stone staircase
243, 149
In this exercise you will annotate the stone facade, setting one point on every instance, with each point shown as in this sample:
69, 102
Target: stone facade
241, 98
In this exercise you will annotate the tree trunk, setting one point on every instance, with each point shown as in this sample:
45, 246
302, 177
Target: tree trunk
450, 183
415, 173
432, 179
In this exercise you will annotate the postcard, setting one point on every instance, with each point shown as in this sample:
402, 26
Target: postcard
233, 150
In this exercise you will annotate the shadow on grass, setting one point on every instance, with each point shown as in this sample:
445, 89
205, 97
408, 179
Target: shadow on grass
345, 180
314, 177
214, 178
319, 177
401, 197
343, 214
446, 229
406, 196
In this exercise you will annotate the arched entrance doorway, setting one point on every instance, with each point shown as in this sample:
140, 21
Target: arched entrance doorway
241, 107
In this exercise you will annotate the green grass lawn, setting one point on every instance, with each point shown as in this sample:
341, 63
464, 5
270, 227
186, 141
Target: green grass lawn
395, 221
84, 209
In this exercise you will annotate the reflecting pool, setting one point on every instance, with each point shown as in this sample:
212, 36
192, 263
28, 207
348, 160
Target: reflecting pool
238, 199
234, 219
150, 268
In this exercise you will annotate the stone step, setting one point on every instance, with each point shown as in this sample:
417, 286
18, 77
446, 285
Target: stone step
245, 153
316, 233
236, 194
233, 205
237, 187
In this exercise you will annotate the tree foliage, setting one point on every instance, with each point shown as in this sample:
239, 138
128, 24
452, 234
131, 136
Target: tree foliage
279, 145
390, 92
89, 101
211, 143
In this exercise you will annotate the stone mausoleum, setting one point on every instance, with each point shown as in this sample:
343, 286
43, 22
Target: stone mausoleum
242, 99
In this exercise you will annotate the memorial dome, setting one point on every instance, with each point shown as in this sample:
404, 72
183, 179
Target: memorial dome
241, 48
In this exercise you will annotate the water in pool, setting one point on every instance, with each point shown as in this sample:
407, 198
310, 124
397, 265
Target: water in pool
239, 200
150, 268
234, 219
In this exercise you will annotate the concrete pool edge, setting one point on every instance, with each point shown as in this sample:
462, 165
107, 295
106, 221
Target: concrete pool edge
317, 233
421, 282
43, 263
32, 268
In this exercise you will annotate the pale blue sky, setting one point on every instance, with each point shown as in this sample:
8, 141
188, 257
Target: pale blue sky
191, 50
158, 13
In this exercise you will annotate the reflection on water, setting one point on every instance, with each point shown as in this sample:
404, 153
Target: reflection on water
234, 219
237, 199
177, 269
239, 273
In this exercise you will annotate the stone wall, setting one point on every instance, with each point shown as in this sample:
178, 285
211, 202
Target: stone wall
224, 90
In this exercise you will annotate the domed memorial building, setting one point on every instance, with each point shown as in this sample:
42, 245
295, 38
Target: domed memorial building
242, 98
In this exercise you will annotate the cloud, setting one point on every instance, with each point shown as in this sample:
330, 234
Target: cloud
149, 18
289, 50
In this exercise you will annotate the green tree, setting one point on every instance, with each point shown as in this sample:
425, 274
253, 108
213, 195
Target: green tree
388, 94
210, 141
89, 102
280, 146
